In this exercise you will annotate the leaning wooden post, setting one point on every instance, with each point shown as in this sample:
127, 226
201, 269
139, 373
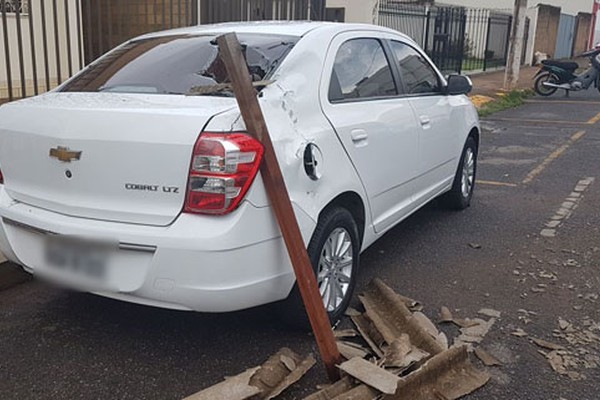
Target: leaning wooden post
231, 54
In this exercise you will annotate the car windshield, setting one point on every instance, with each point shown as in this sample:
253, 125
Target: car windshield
177, 64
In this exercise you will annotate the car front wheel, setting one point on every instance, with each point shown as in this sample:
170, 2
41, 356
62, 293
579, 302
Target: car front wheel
459, 197
334, 253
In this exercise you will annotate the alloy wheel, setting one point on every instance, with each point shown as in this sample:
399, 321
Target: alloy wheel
335, 268
468, 172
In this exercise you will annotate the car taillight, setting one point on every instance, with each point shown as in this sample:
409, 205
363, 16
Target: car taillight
223, 168
1, 178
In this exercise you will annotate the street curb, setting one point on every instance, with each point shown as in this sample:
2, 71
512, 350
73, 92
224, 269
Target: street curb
12, 275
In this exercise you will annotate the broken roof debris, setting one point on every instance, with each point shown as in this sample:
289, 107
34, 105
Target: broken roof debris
395, 353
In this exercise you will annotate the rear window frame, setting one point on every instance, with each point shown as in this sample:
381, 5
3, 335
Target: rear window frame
275, 63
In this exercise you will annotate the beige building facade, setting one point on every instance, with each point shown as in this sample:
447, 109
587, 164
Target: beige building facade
571, 7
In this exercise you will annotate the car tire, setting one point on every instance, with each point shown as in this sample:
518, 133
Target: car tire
459, 197
335, 272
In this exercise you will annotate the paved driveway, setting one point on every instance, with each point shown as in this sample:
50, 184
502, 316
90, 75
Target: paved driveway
60, 345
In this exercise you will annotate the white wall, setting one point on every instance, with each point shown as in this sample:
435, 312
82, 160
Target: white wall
567, 6
39, 48
532, 14
361, 11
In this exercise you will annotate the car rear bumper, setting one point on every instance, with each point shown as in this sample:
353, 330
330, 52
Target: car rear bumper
200, 263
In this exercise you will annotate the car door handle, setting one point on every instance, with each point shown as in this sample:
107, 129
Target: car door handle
358, 136
425, 120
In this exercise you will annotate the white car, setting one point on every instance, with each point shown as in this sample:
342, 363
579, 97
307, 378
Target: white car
135, 180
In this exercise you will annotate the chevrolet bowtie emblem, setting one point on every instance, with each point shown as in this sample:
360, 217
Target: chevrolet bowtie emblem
64, 154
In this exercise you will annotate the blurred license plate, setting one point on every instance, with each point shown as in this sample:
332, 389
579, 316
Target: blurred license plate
82, 257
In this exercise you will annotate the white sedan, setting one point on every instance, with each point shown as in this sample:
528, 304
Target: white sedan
136, 180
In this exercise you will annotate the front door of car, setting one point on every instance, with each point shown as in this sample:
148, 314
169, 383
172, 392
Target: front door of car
438, 133
377, 128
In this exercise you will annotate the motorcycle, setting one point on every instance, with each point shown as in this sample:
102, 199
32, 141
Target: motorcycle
554, 75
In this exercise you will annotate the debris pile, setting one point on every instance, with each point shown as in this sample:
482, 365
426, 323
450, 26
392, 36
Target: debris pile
395, 353
581, 352
471, 330
404, 356
265, 382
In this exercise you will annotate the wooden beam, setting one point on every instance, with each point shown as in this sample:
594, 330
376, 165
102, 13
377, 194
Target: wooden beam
231, 54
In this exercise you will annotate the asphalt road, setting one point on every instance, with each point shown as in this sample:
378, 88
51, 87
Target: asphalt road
60, 345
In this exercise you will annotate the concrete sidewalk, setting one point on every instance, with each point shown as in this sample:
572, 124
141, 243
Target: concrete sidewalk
491, 83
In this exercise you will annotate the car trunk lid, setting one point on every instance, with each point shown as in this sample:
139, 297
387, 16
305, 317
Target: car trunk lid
106, 156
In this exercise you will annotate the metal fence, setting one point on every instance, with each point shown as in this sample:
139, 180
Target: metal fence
486, 40
457, 39
107, 23
44, 42
252, 10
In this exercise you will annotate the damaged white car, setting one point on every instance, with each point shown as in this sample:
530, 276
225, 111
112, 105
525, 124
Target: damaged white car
136, 180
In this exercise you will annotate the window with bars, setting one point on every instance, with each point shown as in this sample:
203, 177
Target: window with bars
14, 6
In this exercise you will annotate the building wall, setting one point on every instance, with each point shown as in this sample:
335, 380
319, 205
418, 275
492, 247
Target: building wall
532, 14
572, 7
582, 33
547, 29
359, 11
54, 67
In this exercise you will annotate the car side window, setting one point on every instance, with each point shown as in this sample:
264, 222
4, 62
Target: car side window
416, 73
361, 71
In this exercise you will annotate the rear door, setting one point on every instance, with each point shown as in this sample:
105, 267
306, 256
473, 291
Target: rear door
438, 132
376, 127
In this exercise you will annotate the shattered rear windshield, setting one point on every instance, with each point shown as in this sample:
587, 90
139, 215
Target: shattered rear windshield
177, 64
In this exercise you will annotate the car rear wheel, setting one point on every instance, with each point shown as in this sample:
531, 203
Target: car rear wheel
334, 253
459, 197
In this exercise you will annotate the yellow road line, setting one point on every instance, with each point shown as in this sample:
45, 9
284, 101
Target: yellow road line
553, 156
537, 121
594, 119
494, 183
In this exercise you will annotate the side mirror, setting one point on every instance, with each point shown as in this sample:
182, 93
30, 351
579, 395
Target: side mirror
458, 84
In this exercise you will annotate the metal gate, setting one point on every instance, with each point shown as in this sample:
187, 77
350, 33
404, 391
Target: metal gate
110, 22
440, 31
565, 36
456, 38
498, 35
412, 20
447, 46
